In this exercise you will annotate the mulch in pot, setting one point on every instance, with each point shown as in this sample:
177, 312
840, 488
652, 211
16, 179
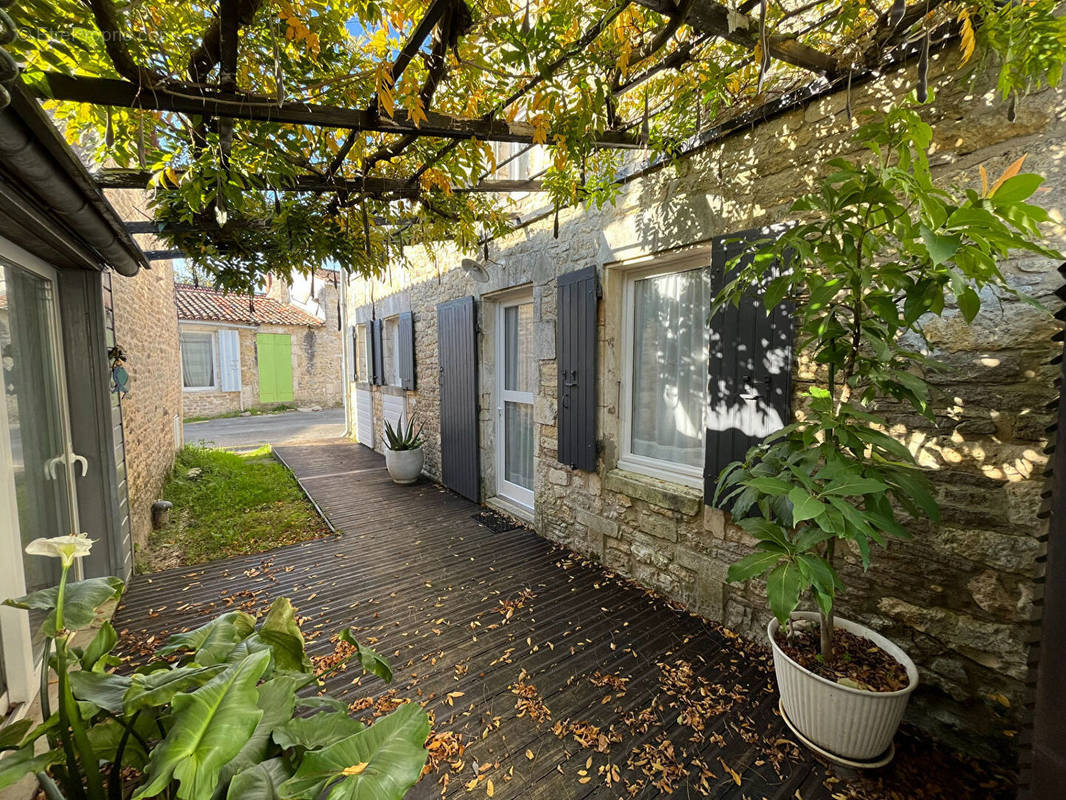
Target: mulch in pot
857, 662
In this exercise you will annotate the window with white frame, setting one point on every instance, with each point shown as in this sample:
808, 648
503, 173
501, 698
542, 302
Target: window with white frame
362, 353
665, 370
198, 367
390, 353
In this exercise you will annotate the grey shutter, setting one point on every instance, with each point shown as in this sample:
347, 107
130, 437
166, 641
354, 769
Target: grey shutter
377, 352
575, 351
749, 389
405, 332
459, 450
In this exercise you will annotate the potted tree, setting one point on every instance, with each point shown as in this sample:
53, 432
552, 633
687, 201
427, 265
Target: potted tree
881, 247
404, 456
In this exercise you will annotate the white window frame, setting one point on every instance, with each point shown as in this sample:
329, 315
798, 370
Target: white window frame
627, 459
215, 377
362, 342
390, 332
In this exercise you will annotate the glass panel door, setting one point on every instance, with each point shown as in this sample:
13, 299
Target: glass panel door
36, 479
516, 380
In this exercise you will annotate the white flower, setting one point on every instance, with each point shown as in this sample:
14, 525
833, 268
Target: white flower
67, 548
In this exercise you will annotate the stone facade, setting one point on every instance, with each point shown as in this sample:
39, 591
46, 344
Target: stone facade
960, 596
316, 354
146, 328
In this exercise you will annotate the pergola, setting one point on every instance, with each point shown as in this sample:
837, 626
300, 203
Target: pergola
745, 40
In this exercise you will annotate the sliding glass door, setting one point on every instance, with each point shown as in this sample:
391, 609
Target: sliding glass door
37, 495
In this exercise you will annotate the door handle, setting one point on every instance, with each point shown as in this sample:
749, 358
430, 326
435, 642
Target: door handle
76, 459
71, 458
50, 466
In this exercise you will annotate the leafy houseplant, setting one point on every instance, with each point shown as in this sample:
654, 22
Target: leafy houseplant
882, 246
404, 456
220, 712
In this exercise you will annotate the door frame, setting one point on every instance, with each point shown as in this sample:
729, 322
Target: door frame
21, 669
504, 488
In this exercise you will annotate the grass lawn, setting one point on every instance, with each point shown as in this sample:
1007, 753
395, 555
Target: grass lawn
237, 504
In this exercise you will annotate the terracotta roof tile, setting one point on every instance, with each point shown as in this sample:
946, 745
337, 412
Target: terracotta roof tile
209, 305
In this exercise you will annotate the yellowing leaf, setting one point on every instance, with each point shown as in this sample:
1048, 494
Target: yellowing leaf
488, 788
529, 755
984, 180
355, 769
1008, 173
967, 40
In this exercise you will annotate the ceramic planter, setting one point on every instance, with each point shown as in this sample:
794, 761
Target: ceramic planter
853, 724
405, 465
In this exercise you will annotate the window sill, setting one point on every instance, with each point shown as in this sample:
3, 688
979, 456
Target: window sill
673, 496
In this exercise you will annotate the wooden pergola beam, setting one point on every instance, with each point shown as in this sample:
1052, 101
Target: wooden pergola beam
120, 178
197, 101
707, 16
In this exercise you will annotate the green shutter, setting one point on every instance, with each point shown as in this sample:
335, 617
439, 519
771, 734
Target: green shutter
275, 367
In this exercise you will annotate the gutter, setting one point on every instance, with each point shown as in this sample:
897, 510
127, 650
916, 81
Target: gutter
34, 153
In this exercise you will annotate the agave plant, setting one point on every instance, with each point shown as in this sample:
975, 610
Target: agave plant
228, 710
401, 437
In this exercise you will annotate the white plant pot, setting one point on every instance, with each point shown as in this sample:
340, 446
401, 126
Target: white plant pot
405, 465
853, 724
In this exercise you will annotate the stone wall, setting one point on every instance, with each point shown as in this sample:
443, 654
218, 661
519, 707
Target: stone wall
959, 597
146, 327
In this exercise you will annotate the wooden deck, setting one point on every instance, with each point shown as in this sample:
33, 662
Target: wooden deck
558, 679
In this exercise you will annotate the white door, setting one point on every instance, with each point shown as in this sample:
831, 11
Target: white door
37, 494
516, 377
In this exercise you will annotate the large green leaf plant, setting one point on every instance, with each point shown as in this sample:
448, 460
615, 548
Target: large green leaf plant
228, 710
881, 248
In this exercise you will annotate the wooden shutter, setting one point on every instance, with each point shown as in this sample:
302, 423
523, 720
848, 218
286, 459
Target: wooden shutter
377, 352
405, 346
575, 351
229, 357
749, 389
459, 448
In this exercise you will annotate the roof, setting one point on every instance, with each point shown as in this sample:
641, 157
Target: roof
210, 305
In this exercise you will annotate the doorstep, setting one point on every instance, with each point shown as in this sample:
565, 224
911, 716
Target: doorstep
511, 509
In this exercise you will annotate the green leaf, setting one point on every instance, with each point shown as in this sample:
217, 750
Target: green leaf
101, 645
766, 530
280, 631
783, 589
371, 661
941, 248
158, 688
767, 485
20, 763
1018, 188
100, 688
804, 506
259, 782
212, 641
819, 572
380, 763
12, 735
210, 726
752, 565
969, 303
81, 603
318, 731
855, 485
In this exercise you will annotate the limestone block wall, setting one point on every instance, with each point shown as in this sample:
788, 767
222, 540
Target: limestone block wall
960, 596
146, 327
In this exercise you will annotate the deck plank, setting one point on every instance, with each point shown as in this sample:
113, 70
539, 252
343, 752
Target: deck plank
416, 576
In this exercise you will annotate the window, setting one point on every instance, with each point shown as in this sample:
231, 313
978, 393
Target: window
665, 372
362, 353
390, 351
198, 360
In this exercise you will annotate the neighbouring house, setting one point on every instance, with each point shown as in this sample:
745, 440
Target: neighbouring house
280, 347
569, 387
63, 457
